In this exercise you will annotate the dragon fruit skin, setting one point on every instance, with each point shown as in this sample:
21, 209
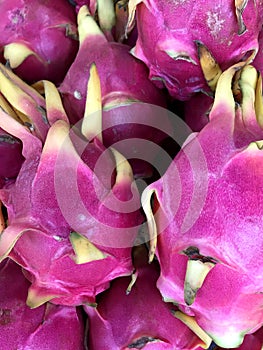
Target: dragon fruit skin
166, 35
41, 328
258, 62
196, 111
225, 310
38, 56
41, 214
123, 82
120, 320
216, 224
251, 341
11, 157
115, 88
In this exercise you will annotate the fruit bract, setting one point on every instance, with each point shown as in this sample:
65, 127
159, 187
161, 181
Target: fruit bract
38, 38
208, 216
75, 199
139, 319
124, 83
41, 328
167, 33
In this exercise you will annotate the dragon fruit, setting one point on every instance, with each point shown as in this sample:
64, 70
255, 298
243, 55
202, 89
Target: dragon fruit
122, 321
124, 83
167, 32
103, 10
11, 157
258, 62
69, 200
252, 341
41, 328
38, 56
208, 214
196, 111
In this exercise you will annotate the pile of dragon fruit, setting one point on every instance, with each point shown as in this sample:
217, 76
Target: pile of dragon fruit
131, 174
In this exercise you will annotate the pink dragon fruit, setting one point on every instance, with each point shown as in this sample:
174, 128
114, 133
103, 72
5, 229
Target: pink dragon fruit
140, 319
11, 157
196, 111
69, 200
167, 33
252, 341
208, 213
42, 328
38, 56
124, 83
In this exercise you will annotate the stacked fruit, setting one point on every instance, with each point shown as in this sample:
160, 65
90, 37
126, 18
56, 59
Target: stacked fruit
131, 177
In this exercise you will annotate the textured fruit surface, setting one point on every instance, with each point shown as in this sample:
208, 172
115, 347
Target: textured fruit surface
209, 218
30, 32
167, 31
42, 328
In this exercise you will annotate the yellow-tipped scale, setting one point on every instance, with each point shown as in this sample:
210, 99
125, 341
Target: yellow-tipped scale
92, 122
196, 273
152, 227
240, 6
35, 299
17, 53
85, 251
210, 67
106, 14
7, 108
2, 220
87, 25
259, 102
190, 322
54, 106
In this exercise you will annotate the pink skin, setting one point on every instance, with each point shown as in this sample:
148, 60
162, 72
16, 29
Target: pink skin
166, 30
49, 21
41, 328
258, 62
251, 341
124, 80
222, 218
121, 320
196, 111
36, 219
11, 157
